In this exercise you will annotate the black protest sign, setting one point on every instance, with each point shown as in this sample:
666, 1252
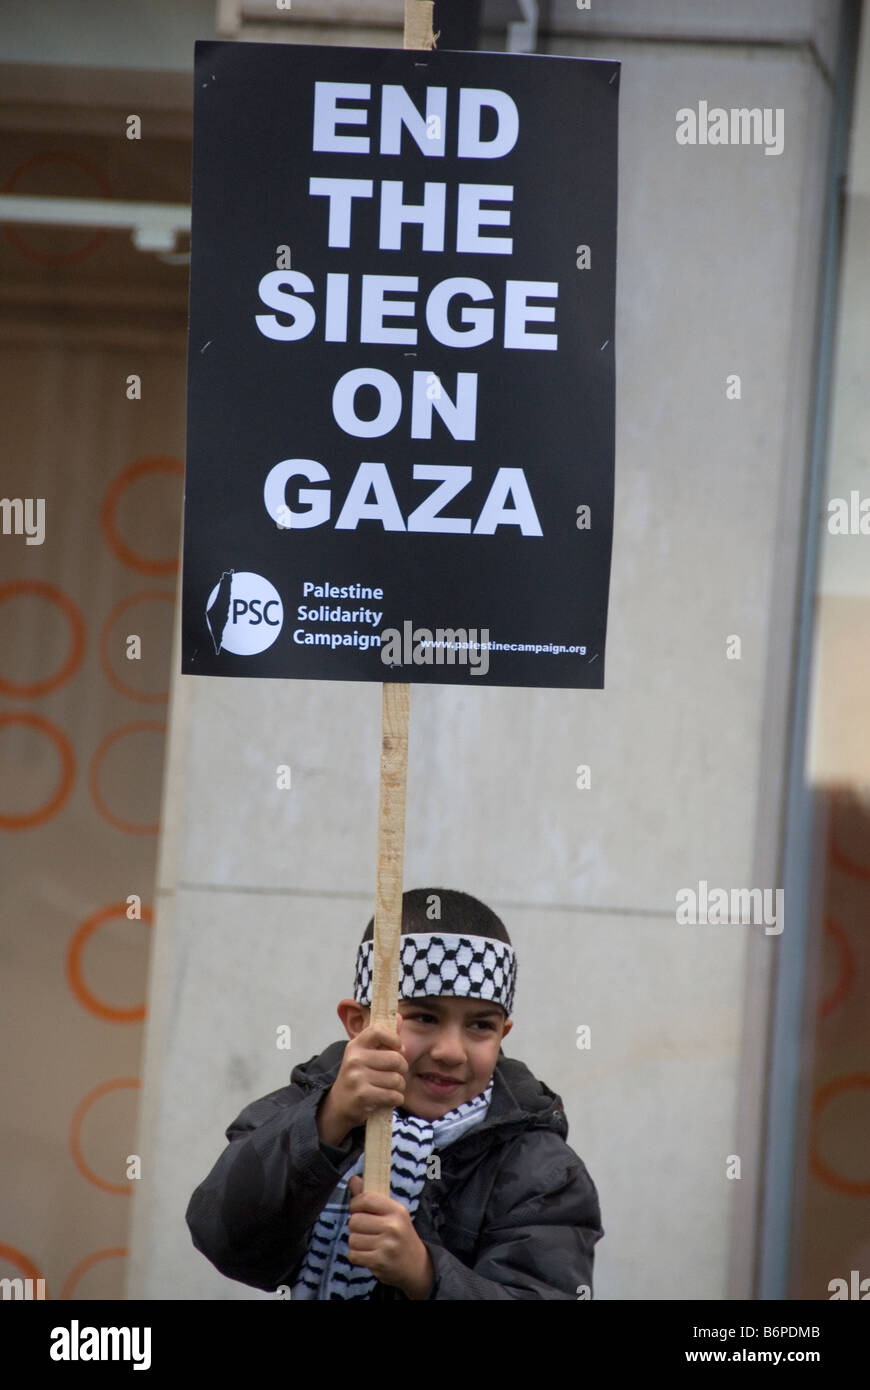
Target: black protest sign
401, 366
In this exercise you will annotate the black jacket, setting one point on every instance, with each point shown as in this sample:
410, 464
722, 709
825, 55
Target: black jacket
514, 1214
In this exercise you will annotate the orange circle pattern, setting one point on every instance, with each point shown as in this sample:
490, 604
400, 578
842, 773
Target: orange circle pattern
73, 614
847, 969
846, 1186
836, 855
131, 827
74, 976
108, 671
118, 1252
20, 1261
67, 775
138, 469
53, 257
50, 591
84, 1105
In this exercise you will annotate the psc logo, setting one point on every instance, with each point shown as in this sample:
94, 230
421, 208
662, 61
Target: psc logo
244, 613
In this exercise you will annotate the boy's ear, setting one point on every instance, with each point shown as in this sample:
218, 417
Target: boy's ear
354, 1016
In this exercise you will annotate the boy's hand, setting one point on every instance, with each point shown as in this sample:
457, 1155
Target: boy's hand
372, 1075
381, 1236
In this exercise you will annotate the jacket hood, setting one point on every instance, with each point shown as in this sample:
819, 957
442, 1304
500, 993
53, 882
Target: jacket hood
519, 1099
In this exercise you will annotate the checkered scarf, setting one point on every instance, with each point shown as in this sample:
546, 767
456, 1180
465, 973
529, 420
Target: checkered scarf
326, 1272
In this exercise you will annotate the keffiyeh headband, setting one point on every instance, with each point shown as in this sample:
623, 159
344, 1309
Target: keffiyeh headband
432, 963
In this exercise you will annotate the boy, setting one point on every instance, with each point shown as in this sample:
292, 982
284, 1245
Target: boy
487, 1199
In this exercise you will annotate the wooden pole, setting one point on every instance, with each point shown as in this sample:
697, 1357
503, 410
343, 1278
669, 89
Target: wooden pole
391, 816
418, 24
388, 911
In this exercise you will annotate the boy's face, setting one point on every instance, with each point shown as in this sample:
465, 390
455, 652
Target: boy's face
454, 1041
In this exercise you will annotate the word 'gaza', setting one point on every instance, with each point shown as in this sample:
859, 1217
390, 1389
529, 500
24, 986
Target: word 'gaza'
375, 478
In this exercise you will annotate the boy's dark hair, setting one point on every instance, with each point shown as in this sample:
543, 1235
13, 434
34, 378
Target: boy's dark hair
460, 914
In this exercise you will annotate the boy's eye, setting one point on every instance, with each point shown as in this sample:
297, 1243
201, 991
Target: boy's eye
431, 1018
